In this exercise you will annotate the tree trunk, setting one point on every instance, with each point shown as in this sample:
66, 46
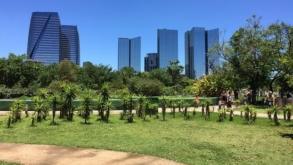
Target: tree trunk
289, 116
276, 118
174, 111
164, 111
231, 115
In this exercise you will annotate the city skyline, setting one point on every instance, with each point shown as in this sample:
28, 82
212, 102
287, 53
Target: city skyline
101, 22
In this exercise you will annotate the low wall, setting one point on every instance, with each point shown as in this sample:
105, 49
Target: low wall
6, 103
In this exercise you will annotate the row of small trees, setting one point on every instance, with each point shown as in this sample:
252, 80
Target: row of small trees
62, 99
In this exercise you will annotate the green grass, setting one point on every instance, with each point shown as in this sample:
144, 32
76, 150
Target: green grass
7, 163
193, 141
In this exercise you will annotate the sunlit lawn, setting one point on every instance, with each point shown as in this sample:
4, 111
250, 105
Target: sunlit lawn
193, 141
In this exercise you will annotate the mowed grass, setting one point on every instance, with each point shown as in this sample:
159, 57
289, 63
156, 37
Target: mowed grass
193, 141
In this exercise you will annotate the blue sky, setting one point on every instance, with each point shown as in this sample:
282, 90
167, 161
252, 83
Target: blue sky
102, 22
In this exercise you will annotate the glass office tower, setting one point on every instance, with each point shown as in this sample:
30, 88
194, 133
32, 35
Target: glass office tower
151, 62
167, 45
197, 43
129, 53
212, 38
44, 37
195, 52
70, 44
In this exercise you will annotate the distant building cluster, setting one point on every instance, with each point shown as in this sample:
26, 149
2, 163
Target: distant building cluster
198, 42
50, 42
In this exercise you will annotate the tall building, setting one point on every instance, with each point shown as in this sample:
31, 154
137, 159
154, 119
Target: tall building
70, 43
197, 43
167, 45
212, 38
44, 37
129, 53
49, 41
151, 62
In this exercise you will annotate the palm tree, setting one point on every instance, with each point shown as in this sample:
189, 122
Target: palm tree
16, 109
288, 111
87, 103
146, 105
54, 100
247, 111
164, 102
99, 105
140, 105
207, 104
125, 103
108, 107
63, 108
39, 107
173, 106
105, 98
275, 109
70, 95
202, 104
43, 94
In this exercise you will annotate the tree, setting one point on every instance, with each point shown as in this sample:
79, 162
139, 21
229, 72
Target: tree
250, 55
174, 69
71, 91
161, 75
67, 71
49, 74
147, 87
54, 100
164, 103
105, 98
87, 103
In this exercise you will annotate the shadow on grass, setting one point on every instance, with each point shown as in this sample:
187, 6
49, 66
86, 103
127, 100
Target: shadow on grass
88, 123
287, 135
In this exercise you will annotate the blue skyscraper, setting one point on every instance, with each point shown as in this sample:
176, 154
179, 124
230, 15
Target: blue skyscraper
151, 62
70, 43
212, 38
197, 43
44, 37
167, 45
129, 53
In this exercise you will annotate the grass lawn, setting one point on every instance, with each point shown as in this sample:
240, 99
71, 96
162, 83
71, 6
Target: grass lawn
193, 141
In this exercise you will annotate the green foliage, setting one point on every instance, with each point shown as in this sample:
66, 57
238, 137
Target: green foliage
67, 71
174, 70
161, 75
147, 87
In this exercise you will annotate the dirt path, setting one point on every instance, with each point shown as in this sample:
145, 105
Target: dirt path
55, 155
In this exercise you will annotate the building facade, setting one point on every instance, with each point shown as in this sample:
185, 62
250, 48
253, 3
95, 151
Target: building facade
129, 53
151, 62
212, 38
70, 44
44, 40
49, 42
167, 46
197, 43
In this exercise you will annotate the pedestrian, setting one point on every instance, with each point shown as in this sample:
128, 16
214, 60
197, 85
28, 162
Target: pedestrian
219, 104
270, 99
229, 100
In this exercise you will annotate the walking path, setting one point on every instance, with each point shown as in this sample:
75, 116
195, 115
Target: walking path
56, 155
